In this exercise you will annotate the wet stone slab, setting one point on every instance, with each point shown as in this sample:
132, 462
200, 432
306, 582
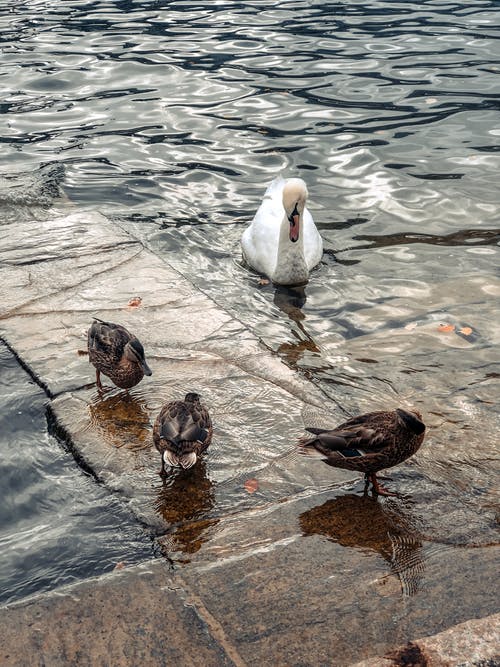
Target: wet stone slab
475, 643
283, 559
191, 344
135, 617
40, 258
47, 304
111, 436
329, 579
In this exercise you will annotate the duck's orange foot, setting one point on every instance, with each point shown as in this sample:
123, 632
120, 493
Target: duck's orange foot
377, 488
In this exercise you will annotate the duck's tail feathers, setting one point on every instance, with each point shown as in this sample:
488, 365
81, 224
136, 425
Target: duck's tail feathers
180, 460
306, 446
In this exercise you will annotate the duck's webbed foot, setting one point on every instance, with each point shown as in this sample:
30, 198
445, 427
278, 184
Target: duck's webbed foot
377, 488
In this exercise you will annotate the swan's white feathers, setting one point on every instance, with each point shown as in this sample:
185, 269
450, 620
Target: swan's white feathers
265, 243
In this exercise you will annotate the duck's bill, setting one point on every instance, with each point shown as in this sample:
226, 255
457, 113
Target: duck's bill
146, 369
294, 228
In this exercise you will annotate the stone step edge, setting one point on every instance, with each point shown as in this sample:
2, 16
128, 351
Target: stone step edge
473, 643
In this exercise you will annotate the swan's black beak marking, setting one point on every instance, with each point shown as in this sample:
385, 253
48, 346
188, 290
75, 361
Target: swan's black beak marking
294, 225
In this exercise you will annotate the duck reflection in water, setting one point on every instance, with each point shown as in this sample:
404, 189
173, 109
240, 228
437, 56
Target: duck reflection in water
184, 500
362, 522
123, 419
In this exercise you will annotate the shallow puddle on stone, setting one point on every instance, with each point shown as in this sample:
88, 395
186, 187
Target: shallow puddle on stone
121, 418
365, 523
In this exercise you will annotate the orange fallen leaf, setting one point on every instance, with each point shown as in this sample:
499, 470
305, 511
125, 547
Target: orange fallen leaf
446, 328
466, 331
120, 565
251, 485
135, 302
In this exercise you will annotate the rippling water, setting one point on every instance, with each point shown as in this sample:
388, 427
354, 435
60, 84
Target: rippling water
56, 524
172, 117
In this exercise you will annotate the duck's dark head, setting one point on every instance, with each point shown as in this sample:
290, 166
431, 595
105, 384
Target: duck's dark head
192, 397
412, 420
135, 352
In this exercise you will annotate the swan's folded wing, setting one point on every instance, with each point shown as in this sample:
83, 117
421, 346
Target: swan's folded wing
275, 187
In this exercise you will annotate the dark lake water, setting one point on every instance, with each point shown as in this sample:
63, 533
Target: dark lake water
172, 117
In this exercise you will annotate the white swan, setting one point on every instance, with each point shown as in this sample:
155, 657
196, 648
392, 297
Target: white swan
282, 241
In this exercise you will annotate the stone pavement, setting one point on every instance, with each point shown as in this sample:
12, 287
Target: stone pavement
294, 569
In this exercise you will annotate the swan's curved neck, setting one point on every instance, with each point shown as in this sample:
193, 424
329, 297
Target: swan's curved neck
291, 267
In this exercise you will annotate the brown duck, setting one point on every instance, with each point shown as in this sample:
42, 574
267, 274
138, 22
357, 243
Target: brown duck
368, 443
117, 353
182, 431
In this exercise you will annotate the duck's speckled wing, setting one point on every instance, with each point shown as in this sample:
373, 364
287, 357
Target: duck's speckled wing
179, 423
359, 436
106, 338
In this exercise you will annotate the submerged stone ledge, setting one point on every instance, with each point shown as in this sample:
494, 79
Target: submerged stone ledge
82, 265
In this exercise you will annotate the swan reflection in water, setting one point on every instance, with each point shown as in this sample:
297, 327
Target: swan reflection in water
290, 301
364, 523
184, 501
123, 419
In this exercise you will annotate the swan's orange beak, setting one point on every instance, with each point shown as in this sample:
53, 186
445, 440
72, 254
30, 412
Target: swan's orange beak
294, 227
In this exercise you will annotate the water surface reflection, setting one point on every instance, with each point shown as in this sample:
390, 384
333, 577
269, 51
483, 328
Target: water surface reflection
57, 526
184, 502
365, 523
122, 418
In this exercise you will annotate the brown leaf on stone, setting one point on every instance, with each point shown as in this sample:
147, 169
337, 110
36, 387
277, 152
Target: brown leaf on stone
446, 328
135, 302
466, 331
120, 565
251, 485
82, 353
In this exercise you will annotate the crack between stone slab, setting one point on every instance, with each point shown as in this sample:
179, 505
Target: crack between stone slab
15, 311
27, 368
61, 434
215, 627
